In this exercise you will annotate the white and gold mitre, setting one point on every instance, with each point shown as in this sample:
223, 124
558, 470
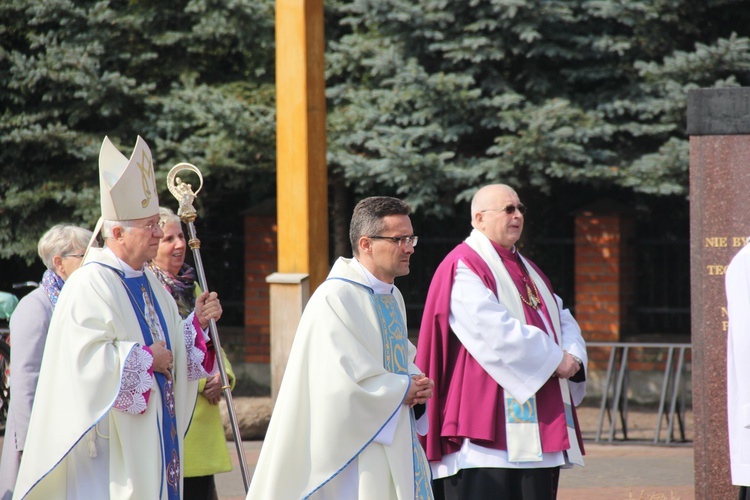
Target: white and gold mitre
128, 187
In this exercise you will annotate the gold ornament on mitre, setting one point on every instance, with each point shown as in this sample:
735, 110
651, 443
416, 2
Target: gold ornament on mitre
128, 186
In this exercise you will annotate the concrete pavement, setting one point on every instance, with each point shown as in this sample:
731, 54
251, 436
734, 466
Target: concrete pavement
632, 472
612, 472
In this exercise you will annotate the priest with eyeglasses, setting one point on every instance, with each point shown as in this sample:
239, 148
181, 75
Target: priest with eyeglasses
508, 362
345, 422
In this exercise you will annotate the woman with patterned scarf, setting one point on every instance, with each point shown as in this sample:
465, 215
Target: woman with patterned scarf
61, 249
205, 444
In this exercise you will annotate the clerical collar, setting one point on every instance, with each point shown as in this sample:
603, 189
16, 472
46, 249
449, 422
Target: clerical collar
503, 252
379, 287
128, 271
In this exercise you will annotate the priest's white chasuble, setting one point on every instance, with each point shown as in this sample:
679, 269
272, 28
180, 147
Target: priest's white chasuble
339, 428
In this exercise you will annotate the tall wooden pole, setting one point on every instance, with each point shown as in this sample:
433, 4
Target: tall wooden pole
301, 175
302, 187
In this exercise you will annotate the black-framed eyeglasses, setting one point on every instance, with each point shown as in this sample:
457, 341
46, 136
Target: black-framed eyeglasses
76, 255
399, 240
509, 209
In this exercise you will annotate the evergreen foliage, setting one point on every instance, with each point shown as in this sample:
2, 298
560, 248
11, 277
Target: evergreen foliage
433, 98
194, 78
427, 99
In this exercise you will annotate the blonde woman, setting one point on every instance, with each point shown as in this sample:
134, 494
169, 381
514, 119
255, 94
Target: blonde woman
205, 444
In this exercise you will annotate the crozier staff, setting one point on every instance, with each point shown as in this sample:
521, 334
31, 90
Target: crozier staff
205, 445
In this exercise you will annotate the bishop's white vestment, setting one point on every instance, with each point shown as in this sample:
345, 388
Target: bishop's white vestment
79, 444
339, 429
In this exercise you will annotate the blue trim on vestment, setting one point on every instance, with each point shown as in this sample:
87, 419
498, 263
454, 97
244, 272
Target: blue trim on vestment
398, 408
394, 337
422, 476
168, 428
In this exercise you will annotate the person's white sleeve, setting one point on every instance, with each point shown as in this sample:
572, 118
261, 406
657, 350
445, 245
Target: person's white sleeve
573, 342
385, 436
423, 424
521, 358
738, 342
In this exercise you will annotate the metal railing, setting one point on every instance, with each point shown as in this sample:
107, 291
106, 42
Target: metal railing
614, 392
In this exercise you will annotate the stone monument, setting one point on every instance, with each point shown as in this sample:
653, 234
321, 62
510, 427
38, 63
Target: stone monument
718, 124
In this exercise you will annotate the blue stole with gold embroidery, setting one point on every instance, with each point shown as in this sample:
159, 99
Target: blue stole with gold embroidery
395, 360
170, 446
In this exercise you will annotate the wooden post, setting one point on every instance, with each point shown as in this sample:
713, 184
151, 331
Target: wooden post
301, 177
290, 291
301, 172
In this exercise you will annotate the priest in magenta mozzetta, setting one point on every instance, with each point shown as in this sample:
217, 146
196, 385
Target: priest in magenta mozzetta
120, 370
508, 361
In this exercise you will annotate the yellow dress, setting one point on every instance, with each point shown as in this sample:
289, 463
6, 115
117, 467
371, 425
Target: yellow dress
205, 444
205, 447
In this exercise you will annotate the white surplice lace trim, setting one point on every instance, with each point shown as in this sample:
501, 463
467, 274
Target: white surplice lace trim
195, 356
135, 381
